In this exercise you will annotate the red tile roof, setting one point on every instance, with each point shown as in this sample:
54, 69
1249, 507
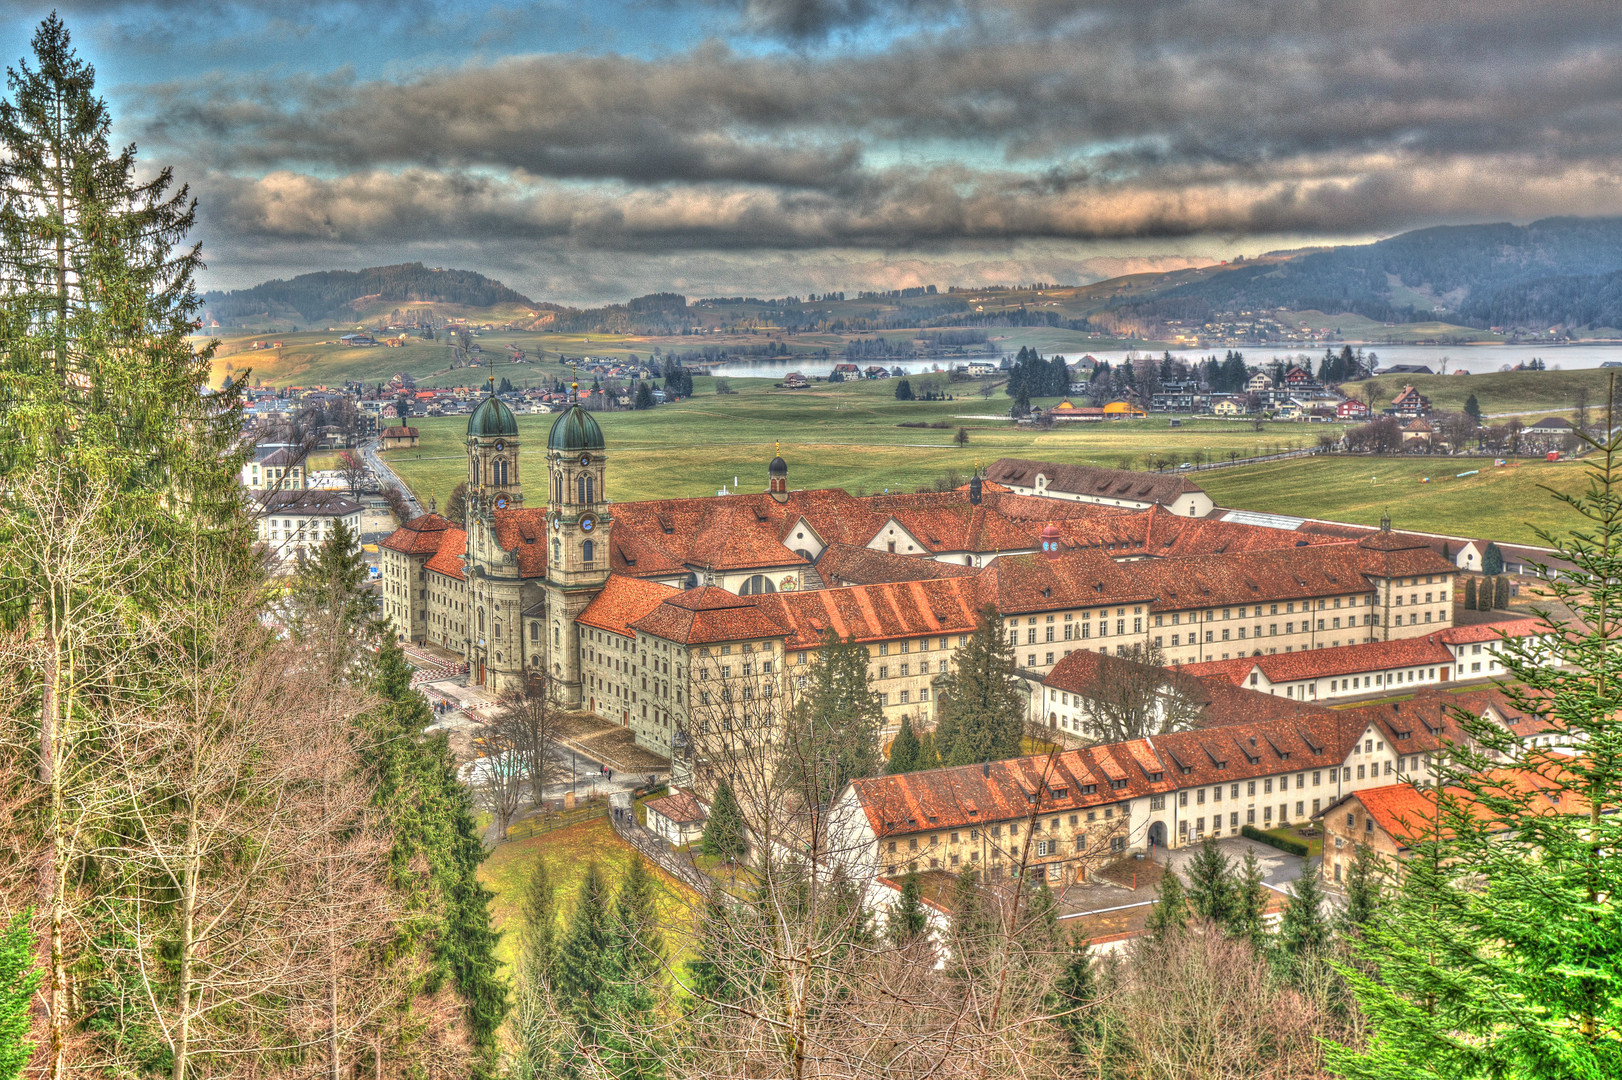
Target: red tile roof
876, 612
1003, 790
1329, 663
702, 616
1407, 813
1220, 702
448, 559
523, 532
422, 535
1093, 481
622, 601
848, 564
681, 807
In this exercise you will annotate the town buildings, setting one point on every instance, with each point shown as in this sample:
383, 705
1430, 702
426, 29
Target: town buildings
294, 523
1104, 487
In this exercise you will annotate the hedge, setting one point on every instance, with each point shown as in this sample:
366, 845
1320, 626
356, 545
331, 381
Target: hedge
1283, 843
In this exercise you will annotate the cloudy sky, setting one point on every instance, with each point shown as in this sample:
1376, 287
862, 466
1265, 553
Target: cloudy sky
589, 151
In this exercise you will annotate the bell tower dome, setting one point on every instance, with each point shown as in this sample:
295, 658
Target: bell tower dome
492, 455
777, 476
578, 516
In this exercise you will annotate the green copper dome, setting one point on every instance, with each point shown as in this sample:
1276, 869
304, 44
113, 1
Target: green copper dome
492, 417
575, 430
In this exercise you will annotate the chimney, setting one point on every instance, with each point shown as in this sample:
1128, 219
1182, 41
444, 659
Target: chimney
985, 769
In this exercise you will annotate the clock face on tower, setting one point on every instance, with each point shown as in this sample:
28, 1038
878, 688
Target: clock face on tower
500, 445
585, 459
588, 523
501, 502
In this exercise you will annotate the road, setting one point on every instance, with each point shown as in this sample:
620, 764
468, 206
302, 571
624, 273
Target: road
387, 476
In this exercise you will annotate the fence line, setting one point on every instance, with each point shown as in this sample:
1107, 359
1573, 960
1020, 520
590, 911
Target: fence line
658, 850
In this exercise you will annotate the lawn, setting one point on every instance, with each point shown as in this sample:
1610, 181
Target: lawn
567, 852
832, 435
1497, 504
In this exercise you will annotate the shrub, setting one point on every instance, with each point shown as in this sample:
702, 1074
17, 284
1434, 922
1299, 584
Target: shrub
1283, 843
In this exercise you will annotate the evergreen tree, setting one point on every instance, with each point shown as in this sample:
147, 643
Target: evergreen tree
971, 928
725, 833
1169, 916
927, 757
1075, 996
1501, 952
329, 598
1492, 560
429, 813
713, 968
982, 717
1362, 887
539, 931
95, 356
584, 964
1022, 403
18, 982
1303, 930
903, 391
1486, 594
1470, 592
1250, 903
633, 965
1210, 885
907, 918
644, 394
835, 722
903, 750
1472, 409
1501, 592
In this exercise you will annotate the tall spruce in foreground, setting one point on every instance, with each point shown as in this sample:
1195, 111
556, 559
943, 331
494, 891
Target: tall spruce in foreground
1170, 912
1303, 929
725, 833
430, 814
981, 715
1501, 953
1211, 891
903, 750
1075, 997
97, 305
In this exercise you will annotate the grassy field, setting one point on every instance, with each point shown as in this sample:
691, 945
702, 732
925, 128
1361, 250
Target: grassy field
566, 853
1499, 504
1532, 393
832, 435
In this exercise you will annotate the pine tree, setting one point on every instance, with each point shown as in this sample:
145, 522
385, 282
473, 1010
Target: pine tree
1469, 592
1472, 409
903, 750
1250, 903
1211, 890
1492, 560
538, 940
834, 725
1169, 916
724, 831
644, 394
1362, 887
632, 968
581, 978
18, 981
713, 968
903, 391
1075, 996
927, 757
907, 918
95, 354
971, 927
1501, 952
429, 812
1485, 595
982, 717
1501, 593
1303, 929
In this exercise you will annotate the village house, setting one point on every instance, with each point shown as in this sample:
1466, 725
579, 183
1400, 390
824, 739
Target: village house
1104, 487
1230, 406
1410, 403
1351, 409
274, 468
293, 524
398, 438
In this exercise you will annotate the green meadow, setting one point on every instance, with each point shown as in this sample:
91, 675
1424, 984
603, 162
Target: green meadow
832, 435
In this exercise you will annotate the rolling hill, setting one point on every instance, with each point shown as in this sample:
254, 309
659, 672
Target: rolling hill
347, 295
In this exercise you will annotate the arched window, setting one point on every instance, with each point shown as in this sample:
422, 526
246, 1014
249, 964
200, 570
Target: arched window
583, 486
481, 620
501, 472
757, 584
586, 550
475, 472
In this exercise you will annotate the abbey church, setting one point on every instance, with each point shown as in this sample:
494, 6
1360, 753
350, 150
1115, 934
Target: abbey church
629, 610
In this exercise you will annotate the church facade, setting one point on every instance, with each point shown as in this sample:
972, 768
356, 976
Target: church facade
676, 616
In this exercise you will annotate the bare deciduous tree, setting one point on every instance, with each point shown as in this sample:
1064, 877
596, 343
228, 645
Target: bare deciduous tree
532, 720
1133, 695
352, 469
498, 776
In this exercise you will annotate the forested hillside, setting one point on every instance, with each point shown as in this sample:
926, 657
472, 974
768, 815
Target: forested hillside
331, 294
1559, 270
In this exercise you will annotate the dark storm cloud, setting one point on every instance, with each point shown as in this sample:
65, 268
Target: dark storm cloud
950, 122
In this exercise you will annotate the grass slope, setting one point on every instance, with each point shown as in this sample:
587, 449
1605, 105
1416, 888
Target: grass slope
832, 435
566, 853
1498, 504
1524, 392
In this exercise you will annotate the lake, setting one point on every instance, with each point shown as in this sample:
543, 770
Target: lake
1478, 359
